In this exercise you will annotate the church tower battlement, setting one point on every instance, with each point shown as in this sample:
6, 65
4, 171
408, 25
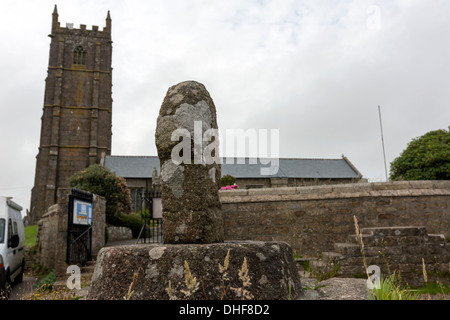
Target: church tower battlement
77, 115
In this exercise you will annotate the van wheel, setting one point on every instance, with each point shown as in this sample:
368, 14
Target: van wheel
6, 289
3, 291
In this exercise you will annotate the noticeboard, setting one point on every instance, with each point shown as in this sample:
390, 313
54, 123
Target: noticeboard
157, 208
82, 212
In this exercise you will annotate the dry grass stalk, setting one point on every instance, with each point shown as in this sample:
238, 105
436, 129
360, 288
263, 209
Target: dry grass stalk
424, 271
361, 244
130, 289
224, 276
425, 277
192, 284
245, 278
191, 281
170, 292
223, 269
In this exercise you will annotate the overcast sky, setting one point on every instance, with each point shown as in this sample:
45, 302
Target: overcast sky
315, 70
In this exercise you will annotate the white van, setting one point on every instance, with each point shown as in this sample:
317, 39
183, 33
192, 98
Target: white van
12, 243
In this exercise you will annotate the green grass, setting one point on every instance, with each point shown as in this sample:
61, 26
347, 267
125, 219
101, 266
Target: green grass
390, 289
434, 288
30, 235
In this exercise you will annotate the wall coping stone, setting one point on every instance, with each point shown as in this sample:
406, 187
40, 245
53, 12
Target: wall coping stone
352, 190
52, 210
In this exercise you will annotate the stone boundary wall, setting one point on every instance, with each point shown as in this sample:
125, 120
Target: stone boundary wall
51, 240
312, 219
119, 233
396, 248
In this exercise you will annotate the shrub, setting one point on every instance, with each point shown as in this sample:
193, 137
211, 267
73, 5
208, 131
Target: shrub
99, 180
106, 234
132, 221
227, 180
425, 158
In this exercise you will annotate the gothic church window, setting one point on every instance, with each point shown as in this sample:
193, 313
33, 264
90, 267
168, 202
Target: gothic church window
136, 199
79, 56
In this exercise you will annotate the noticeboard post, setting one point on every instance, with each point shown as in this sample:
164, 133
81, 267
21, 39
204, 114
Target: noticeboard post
157, 208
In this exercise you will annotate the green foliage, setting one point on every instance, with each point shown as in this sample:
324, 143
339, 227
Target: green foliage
435, 288
46, 283
390, 289
39, 270
99, 180
145, 215
132, 221
106, 234
30, 235
227, 180
425, 158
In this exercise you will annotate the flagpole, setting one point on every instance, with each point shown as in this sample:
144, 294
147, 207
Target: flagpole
382, 142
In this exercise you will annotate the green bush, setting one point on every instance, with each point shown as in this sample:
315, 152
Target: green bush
132, 221
227, 180
425, 158
145, 215
106, 234
99, 180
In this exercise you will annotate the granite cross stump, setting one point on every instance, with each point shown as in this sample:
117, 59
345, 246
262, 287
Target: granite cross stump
187, 143
194, 262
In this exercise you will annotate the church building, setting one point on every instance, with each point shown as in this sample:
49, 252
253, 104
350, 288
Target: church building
77, 120
142, 172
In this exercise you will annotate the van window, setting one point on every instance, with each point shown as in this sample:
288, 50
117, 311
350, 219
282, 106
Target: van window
10, 233
2, 230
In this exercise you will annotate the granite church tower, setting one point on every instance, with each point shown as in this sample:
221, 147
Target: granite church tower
76, 121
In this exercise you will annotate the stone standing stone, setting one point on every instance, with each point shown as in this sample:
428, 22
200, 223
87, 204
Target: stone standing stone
192, 211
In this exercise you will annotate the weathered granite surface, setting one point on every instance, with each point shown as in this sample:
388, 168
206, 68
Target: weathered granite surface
190, 170
167, 272
335, 289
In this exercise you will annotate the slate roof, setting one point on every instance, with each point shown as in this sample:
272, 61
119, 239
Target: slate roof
142, 167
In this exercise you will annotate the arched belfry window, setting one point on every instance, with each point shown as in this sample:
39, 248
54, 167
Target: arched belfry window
79, 55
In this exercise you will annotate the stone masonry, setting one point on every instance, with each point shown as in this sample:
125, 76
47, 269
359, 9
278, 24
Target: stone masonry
76, 120
119, 233
312, 219
318, 224
399, 249
51, 241
197, 272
